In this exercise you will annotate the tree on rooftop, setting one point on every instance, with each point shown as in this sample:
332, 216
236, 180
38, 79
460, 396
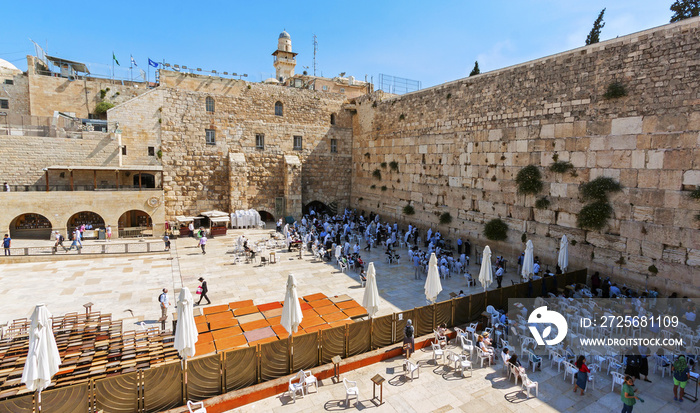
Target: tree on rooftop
476, 70
684, 9
594, 35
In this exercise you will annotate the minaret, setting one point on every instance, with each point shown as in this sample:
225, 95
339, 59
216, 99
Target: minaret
285, 60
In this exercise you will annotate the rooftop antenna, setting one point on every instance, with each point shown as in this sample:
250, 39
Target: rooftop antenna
315, 51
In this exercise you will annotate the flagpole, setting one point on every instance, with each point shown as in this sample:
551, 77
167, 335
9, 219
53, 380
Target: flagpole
112, 66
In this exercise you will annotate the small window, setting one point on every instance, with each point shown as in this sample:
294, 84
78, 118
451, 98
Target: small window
9, 82
342, 90
332, 118
4, 104
279, 110
124, 150
210, 136
325, 88
151, 151
259, 141
297, 143
210, 104
334, 146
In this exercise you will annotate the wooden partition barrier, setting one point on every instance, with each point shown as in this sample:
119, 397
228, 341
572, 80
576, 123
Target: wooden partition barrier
167, 386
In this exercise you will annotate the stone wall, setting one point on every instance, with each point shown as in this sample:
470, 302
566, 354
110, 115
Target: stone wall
24, 157
17, 94
58, 207
460, 145
198, 176
139, 121
50, 93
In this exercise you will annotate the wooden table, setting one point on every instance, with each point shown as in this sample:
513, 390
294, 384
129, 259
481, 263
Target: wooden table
377, 380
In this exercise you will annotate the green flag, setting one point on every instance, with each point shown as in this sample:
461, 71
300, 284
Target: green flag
115, 59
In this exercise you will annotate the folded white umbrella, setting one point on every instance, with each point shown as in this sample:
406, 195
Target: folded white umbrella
486, 271
563, 260
291, 310
186, 334
43, 358
528, 261
370, 301
433, 286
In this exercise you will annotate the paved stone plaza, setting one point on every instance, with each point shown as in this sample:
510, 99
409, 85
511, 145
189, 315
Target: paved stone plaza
440, 389
116, 284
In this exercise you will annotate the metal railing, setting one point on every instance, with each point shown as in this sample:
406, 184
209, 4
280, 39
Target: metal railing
42, 188
105, 248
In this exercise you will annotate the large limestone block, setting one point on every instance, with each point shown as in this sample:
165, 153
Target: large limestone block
652, 249
693, 258
611, 242
566, 219
626, 126
691, 177
676, 255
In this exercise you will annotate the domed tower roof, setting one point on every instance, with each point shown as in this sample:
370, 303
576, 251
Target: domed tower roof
7, 66
285, 35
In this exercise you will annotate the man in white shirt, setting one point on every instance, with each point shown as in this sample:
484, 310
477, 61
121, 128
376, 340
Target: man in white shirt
191, 228
164, 304
536, 268
499, 275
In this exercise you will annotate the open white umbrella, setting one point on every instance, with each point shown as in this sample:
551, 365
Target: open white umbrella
291, 310
370, 301
563, 260
43, 358
486, 271
186, 334
528, 261
433, 286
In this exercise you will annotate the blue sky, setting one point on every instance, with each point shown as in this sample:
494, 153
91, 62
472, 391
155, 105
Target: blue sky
432, 44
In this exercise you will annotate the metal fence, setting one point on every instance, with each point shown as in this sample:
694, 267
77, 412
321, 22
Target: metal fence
43, 188
106, 248
164, 387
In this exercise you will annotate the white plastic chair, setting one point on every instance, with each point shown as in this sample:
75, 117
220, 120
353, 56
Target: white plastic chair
516, 372
343, 266
462, 362
617, 378
438, 353
534, 360
309, 379
412, 368
191, 405
570, 369
351, 391
296, 387
483, 356
559, 359
467, 345
529, 384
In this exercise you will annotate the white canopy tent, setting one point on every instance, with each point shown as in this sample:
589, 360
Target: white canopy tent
563, 259
433, 286
370, 300
486, 270
528, 261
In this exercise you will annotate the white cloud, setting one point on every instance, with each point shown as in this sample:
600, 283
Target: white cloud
500, 55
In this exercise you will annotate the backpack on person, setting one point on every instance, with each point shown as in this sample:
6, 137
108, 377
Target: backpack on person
160, 297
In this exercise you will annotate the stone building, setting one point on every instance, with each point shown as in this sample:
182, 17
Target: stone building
450, 151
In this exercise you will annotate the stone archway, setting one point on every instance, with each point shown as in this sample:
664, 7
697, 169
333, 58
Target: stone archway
30, 226
87, 218
318, 206
266, 216
134, 222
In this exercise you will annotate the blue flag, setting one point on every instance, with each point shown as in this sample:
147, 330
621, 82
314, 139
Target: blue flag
152, 63
133, 62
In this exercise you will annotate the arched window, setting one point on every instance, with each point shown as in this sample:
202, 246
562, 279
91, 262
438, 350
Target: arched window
210, 104
332, 118
278, 108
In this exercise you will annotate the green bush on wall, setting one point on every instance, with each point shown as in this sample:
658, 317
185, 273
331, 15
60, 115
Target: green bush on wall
377, 174
103, 107
594, 215
615, 90
445, 218
598, 189
383, 164
409, 210
383, 188
542, 203
394, 166
560, 167
529, 180
496, 230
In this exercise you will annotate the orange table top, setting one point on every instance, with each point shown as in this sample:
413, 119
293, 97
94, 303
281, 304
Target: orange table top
245, 310
314, 297
215, 309
240, 304
254, 325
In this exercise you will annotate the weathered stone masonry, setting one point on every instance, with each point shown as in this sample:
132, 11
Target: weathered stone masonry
460, 145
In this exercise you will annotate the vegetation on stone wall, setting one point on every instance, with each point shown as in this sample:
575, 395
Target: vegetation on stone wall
615, 90
560, 167
383, 188
523, 237
529, 180
596, 213
377, 174
383, 164
542, 203
372, 186
496, 230
409, 210
394, 166
599, 188
445, 218
653, 270
695, 194
103, 107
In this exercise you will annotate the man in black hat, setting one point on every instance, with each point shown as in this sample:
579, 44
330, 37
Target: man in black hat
204, 291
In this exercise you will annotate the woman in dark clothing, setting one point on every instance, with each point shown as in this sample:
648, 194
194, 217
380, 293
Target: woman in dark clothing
408, 335
644, 362
582, 375
633, 364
